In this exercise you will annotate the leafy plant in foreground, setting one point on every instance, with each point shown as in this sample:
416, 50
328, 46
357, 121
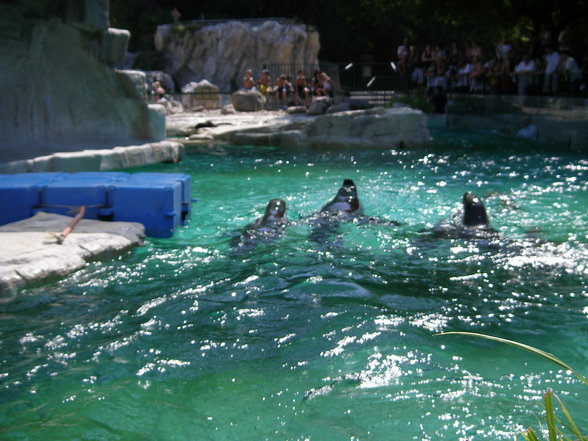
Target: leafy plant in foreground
555, 425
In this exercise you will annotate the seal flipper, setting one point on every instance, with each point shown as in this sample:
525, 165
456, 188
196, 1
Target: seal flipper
379, 221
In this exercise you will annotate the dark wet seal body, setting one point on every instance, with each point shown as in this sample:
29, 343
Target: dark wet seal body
474, 211
267, 228
345, 202
473, 223
344, 207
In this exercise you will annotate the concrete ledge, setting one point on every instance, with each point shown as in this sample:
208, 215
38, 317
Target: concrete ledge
30, 254
99, 160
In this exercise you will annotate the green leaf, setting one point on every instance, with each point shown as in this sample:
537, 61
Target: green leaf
529, 435
550, 416
531, 349
572, 426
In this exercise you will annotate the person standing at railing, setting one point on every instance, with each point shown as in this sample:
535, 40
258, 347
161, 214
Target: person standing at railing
462, 80
493, 69
505, 72
550, 75
427, 57
402, 54
265, 84
158, 91
415, 66
282, 90
453, 58
570, 72
525, 72
175, 15
301, 89
248, 81
327, 84
502, 49
317, 84
477, 76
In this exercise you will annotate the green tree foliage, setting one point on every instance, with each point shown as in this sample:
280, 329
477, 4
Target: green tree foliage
373, 29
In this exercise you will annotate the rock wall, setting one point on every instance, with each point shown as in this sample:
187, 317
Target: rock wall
220, 53
60, 90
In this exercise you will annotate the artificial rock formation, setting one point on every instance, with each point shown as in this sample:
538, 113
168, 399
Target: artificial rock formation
220, 53
201, 94
31, 254
247, 100
401, 127
60, 90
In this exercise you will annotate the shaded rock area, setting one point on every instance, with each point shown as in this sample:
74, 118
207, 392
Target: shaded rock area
377, 127
221, 52
30, 254
60, 89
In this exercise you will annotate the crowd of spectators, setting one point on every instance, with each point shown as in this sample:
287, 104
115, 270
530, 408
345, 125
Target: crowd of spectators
541, 68
285, 91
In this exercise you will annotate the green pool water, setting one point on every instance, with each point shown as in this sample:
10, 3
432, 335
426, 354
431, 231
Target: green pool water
184, 340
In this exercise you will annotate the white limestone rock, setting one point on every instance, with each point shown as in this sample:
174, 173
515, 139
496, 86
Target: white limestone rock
201, 94
341, 107
171, 105
222, 52
74, 96
229, 109
247, 100
99, 160
296, 110
319, 105
113, 47
377, 127
32, 255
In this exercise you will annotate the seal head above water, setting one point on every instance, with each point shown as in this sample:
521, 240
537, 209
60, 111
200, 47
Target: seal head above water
474, 211
265, 229
275, 212
346, 200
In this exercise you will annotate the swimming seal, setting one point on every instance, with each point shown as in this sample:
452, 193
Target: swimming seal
474, 211
344, 207
345, 202
269, 227
473, 223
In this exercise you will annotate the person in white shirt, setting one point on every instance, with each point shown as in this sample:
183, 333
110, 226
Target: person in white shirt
550, 83
570, 72
525, 72
402, 57
463, 76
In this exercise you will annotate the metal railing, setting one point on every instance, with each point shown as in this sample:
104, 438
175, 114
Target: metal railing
291, 70
384, 76
252, 21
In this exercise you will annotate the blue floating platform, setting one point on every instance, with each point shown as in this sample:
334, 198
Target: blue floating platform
160, 201
21, 193
166, 178
158, 206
